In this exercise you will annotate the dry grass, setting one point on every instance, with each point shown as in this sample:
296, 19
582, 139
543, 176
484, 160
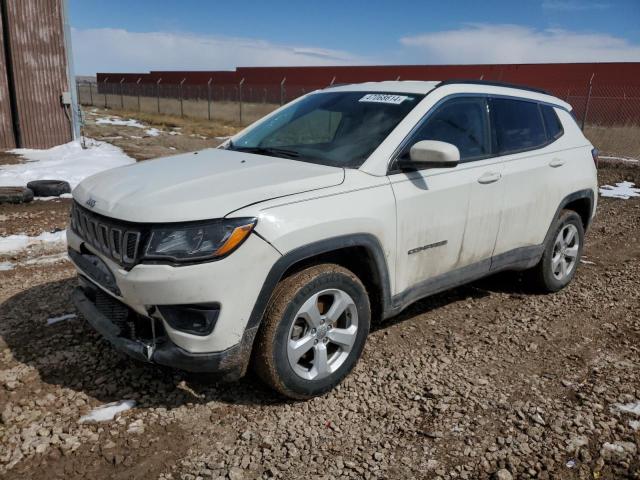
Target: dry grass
188, 125
623, 141
228, 112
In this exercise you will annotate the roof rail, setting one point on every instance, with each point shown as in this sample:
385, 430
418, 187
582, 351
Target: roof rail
491, 84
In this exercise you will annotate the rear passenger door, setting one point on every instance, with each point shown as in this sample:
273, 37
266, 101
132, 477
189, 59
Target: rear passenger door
533, 170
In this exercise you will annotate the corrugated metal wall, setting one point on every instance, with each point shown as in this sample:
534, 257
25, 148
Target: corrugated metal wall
7, 139
39, 67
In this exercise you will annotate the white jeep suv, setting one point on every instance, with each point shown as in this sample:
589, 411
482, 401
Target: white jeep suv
278, 249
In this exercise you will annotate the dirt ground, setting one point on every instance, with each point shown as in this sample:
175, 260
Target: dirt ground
484, 381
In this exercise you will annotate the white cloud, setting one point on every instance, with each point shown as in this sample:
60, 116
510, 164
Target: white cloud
573, 5
488, 43
118, 50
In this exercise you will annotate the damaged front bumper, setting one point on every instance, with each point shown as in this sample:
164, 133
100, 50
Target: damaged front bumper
230, 364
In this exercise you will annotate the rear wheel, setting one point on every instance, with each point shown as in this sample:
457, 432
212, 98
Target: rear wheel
313, 331
561, 255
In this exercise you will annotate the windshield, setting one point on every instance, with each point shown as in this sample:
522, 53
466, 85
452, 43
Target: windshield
338, 129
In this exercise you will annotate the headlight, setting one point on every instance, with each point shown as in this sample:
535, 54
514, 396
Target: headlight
198, 241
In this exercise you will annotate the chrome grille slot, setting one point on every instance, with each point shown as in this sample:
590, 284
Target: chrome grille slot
104, 238
116, 243
131, 240
120, 241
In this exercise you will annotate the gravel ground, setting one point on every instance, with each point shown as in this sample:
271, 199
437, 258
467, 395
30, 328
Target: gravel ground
485, 381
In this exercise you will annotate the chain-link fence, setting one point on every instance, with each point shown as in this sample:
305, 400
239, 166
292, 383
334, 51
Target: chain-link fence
238, 104
593, 104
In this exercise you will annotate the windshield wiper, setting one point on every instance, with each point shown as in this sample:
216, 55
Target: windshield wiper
273, 151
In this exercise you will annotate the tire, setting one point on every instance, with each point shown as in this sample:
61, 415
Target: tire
300, 311
561, 255
49, 188
15, 195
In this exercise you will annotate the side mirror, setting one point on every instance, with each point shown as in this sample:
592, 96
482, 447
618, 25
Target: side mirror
430, 154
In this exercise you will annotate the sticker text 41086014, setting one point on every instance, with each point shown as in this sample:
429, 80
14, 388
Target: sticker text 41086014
384, 98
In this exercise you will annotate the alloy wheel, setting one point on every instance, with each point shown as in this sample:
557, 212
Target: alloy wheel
322, 334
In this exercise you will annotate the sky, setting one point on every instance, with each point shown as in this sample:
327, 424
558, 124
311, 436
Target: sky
143, 35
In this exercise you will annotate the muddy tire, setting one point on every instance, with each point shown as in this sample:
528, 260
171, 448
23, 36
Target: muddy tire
49, 188
15, 195
313, 332
561, 256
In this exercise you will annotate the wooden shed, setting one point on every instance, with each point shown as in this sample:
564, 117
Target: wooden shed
37, 87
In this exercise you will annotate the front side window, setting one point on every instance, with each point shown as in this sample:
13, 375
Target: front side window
339, 129
518, 125
460, 121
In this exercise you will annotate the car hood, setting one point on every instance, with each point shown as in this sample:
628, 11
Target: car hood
196, 186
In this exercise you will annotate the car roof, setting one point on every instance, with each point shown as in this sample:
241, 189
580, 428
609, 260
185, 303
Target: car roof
461, 86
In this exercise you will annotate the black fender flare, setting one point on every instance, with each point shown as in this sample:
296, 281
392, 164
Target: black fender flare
572, 197
305, 252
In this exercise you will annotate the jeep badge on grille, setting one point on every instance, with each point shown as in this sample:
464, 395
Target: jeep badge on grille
91, 202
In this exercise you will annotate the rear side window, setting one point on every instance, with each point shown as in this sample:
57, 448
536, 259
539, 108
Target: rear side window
462, 122
518, 125
551, 122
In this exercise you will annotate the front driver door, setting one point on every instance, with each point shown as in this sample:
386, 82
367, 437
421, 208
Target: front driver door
448, 218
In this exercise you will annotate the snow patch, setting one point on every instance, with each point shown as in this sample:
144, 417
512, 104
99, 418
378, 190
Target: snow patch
46, 199
119, 122
5, 266
62, 318
68, 162
623, 190
108, 411
634, 424
633, 408
15, 243
46, 259
149, 131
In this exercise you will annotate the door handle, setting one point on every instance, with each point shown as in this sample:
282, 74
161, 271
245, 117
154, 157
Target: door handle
490, 177
556, 162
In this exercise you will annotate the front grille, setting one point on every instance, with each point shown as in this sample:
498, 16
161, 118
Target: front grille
120, 241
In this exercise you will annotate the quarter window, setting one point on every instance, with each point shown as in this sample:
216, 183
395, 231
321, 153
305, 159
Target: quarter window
461, 122
551, 122
518, 125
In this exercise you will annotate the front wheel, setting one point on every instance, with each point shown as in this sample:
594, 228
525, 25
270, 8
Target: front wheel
561, 256
313, 332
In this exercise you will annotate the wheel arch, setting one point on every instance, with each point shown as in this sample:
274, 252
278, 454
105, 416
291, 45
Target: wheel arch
581, 202
360, 253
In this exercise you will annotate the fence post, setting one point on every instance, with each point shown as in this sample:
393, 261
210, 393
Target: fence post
91, 93
282, 92
138, 90
121, 94
105, 91
209, 98
586, 105
240, 98
78, 93
181, 98
158, 92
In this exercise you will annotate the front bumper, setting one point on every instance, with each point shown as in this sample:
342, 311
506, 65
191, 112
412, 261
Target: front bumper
234, 282
231, 363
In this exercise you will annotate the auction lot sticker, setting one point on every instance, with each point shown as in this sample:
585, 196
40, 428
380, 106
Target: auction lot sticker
384, 98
